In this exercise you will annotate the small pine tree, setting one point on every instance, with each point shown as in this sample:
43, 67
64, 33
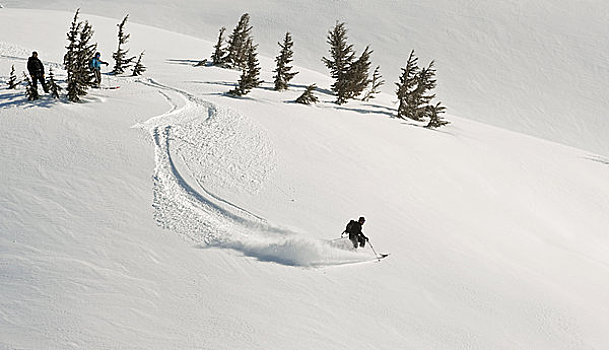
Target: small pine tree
358, 77
30, 92
307, 96
283, 76
435, 118
339, 63
375, 84
12, 80
85, 51
120, 56
237, 52
70, 60
249, 76
52, 84
422, 97
218, 57
139, 68
406, 87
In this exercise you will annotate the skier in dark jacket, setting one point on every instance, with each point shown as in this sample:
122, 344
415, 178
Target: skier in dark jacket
354, 229
36, 70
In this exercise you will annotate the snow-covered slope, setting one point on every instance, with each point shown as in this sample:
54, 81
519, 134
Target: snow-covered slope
538, 67
167, 215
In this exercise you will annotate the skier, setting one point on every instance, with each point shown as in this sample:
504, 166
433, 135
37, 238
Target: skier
36, 70
96, 63
354, 229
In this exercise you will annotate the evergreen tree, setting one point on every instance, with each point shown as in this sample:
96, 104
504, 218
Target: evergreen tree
85, 52
422, 95
358, 77
139, 68
251, 72
238, 49
407, 86
75, 89
339, 63
376, 83
52, 84
120, 56
283, 76
30, 92
307, 97
435, 118
218, 57
12, 80
78, 55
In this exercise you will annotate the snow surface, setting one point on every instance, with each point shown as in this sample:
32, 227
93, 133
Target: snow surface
537, 67
166, 215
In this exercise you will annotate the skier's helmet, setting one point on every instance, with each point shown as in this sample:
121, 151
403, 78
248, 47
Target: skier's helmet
361, 220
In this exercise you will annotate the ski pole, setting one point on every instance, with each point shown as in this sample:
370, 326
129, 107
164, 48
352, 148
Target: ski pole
374, 251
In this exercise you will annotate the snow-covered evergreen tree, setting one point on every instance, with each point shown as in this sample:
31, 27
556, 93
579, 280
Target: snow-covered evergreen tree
52, 84
406, 87
307, 96
139, 68
219, 55
237, 52
30, 92
283, 74
250, 74
122, 62
375, 84
12, 79
435, 118
339, 63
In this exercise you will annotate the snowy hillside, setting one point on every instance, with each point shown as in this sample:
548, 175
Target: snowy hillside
537, 67
167, 215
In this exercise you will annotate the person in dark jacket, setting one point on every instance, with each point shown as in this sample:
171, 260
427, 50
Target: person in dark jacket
354, 229
36, 70
96, 63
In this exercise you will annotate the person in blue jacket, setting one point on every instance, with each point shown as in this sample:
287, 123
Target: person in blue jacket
96, 63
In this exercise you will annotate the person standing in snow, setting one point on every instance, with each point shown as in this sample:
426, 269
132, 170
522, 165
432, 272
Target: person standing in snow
96, 63
356, 236
36, 70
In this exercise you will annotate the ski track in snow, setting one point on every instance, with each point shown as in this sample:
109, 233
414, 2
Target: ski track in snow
199, 145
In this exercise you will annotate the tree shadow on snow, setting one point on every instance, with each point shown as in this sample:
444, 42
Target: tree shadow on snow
18, 99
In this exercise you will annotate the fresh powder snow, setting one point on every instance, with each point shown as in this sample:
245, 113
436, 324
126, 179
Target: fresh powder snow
168, 215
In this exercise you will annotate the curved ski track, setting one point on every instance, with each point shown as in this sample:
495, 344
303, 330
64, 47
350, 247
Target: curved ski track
199, 146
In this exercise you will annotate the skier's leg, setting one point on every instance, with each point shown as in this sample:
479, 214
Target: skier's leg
97, 77
34, 81
43, 83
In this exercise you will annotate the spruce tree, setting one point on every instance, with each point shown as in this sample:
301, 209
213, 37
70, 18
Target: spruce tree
422, 97
407, 86
30, 92
218, 57
358, 77
139, 68
122, 62
307, 96
251, 72
339, 63
52, 84
435, 118
12, 80
237, 54
376, 82
283, 74
78, 55
75, 89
